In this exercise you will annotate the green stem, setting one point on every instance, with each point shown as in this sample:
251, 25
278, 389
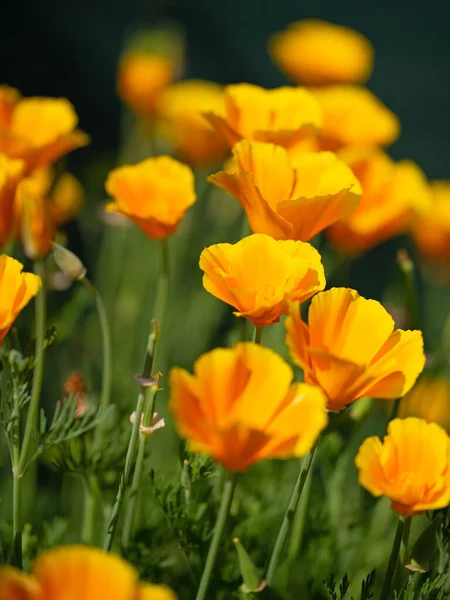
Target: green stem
107, 344
159, 312
278, 550
162, 293
405, 541
298, 526
258, 333
91, 493
222, 515
21, 453
393, 560
115, 512
17, 504
134, 489
38, 372
128, 523
145, 405
406, 266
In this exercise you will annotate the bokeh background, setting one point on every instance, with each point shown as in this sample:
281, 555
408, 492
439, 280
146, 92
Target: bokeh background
71, 49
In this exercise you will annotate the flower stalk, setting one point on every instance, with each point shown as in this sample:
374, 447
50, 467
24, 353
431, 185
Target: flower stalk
222, 515
278, 550
386, 590
21, 451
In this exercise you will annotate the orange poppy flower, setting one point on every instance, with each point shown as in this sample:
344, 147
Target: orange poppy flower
240, 406
141, 77
259, 275
78, 572
154, 194
16, 290
10, 172
287, 197
411, 466
431, 231
40, 131
353, 116
314, 52
181, 109
350, 348
428, 400
9, 97
36, 230
394, 195
66, 199
285, 116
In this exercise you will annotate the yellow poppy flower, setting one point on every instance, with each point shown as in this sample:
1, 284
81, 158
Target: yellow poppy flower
40, 131
314, 52
16, 290
66, 200
259, 275
36, 230
353, 116
431, 231
283, 116
9, 97
411, 466
10, 172
350, 348
154, 194
240, 406
181, 109
428, 400
141, 77
394, 195
289, 197
78, 573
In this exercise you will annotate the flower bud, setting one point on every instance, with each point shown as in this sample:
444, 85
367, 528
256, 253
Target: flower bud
252, 581
68, 263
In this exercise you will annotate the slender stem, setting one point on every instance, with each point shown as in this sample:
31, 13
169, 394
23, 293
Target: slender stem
17, 520
91, 492
278, 550
17, 504
405, 541
128, 523
115, 513
107, 344
222, 515
393, 560
258, 333
38, 372
159, 312
298, 526
153, 355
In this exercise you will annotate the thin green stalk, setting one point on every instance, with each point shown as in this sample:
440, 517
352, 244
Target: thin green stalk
91, 493
393, 560
21, 452
105, 397
38, 372
278, 550
162, 293
258, 333
222, 515
159, 312
17, 504
298, 526
145, 404
406, 266
115, 513
128, 522
405, 541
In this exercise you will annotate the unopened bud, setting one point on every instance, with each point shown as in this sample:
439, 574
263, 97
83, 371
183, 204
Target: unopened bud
68, 263
252, 581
